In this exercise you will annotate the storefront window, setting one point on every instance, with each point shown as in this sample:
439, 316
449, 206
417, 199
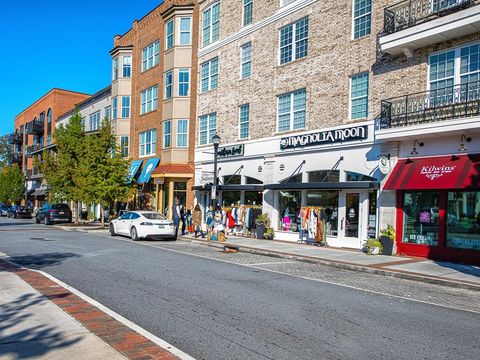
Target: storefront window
420, 223
232, 179
250, 180
324, 176
289, 210
253, 197
328, 200
372, 215
230, 198
294, 179
463, 220
353, 176
180, 192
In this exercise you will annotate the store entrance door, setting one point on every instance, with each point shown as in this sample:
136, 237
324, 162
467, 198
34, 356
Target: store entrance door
351, 219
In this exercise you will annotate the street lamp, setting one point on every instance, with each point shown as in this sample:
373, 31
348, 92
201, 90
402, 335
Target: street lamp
216, 142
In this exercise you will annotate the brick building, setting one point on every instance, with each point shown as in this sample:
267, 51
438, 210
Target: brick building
310, 101
34, 130
161, 89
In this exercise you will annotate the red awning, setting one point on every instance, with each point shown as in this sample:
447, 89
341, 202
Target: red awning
443, 172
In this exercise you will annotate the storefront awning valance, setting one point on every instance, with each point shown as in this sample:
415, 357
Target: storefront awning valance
345, 185
179, 170
133, 169
246, 187
442, 172
147, 170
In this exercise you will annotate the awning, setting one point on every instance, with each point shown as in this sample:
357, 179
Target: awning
132, 170
442, 172
147, 170
39, 192
345, 185
245, 187
179, 170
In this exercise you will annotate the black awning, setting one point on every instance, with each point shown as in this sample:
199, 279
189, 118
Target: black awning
345, 185
246, 187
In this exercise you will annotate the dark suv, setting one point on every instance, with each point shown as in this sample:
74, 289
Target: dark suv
54, 213
17, 211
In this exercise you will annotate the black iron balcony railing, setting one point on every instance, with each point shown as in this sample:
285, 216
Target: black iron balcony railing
431, 106
409, 13
17, 158
33, 148
34, 172
16, 138
35, 127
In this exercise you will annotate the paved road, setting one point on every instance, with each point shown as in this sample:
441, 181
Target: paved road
214, 305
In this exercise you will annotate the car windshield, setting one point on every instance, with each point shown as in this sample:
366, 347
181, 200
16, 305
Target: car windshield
154, 216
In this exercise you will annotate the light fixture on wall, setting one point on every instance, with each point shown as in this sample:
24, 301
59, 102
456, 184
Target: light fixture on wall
415, 143
462, 143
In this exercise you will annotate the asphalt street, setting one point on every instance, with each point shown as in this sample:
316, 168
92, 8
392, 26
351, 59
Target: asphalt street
214, 305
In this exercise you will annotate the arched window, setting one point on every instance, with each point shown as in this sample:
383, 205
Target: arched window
49, 126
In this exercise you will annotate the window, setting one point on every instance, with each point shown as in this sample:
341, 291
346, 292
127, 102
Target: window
149, 99
125, 106
211, 24
294, 41
150, 55
244, 121
289, 210
231, 198
114, 107
169, 34
207, 128
148, 141
49, 126
95, 121
108, 112
246, 60
359, 96
183, 82
328, 200
463, 220
291, 110
168, 84
286, 2
82, 124
115, 69
362, 18
167, 133
182, 133
209, 75
127, 66
185, 30
124, 146
247, 12
324, 176
420, 217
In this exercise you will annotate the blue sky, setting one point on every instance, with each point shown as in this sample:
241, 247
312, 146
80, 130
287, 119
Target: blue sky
62, 44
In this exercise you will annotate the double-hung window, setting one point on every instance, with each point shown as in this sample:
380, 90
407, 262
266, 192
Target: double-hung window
125, 106
95, 121
247, 12
185, 31
168, 84
291, 110
82, 124
246, 60
127, 66
115, 69
183, 82
124, 146
182, 133
150, 55
211, 24
114, 107
149, 99
207, 128
294, 41
244, 121
148, 141
362, 18
209, 75
108, 112
167, 134
359, 96
170, 27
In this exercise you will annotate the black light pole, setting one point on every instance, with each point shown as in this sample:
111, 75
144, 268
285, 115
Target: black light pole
216, 142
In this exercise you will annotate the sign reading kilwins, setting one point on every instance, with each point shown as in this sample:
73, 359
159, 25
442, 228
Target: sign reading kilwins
230, 151
325, 137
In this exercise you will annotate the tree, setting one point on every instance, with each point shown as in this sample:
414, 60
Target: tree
12, 184
6, 149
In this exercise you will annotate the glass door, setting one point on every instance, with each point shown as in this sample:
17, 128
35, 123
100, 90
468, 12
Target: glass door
352, 210
351, 219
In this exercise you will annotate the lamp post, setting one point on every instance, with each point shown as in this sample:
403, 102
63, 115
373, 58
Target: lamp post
216, 142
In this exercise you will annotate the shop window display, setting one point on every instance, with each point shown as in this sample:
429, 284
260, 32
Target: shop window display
328, 200
230, 198
463, 220
324, 176
180, 192
289, 210
253, 197
420, 225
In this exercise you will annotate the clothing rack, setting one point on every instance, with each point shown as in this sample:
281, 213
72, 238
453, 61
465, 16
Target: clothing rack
310, 225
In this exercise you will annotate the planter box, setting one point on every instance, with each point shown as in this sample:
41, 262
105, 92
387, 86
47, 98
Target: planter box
387, 245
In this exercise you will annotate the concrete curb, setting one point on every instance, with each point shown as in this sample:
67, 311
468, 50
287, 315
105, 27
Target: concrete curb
340, 265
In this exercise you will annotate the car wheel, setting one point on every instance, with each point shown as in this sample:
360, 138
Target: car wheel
37, 220
46, 221
133, 234
112, 230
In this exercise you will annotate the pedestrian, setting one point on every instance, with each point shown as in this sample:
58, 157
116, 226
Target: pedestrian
197, 221
183, 218
177, 211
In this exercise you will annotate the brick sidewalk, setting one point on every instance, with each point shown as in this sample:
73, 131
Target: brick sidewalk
126, 341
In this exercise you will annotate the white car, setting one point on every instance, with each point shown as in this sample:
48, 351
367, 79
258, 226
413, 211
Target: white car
142, 225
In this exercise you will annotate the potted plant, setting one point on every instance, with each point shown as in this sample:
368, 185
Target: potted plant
269, 234
387, 238
373, 247
262, 222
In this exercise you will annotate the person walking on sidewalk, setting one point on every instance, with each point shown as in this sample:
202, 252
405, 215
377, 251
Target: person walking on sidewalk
177, 212
197, 221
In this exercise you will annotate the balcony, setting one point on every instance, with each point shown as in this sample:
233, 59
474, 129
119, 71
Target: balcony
16, 138
31, 149
17, 158
454, 108
35, 128
34, 173
413, 24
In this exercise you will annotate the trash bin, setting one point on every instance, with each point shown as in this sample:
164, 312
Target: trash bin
83, 215
260, 229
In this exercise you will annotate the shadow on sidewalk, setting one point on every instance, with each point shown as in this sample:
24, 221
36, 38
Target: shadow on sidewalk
16, 223
471, 270
20, 340
39, 261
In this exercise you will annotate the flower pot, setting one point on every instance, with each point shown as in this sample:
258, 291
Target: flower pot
376, 251
387, 245
260, 230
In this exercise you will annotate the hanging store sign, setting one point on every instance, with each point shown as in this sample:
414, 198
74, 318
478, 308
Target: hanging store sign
325, 137
206, 177
231, 151
384, 164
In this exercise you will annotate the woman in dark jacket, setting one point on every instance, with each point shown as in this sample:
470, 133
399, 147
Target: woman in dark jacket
197, 220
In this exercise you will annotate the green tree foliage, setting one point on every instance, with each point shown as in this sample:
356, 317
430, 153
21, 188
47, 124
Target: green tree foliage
12, 184
5, 150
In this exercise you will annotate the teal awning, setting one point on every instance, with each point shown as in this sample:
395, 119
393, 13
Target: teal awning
147, 170
133, 169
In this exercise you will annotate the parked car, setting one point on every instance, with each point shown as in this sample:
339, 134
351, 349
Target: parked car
143, 224
4, 210
17, 211
54, 213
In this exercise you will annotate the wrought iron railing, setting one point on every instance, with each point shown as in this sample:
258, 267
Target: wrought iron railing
16, 138
431, 106
409, 13
35, 127
17, 157
35, 171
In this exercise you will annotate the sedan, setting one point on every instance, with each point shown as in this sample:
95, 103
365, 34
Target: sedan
4, 210
17, 211
143, 225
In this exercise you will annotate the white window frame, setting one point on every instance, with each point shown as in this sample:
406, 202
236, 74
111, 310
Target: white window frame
122, 145
291, 112
294, 40
350, 103
127, 65
167, 135
126, 107
210, 25
115, 107
169, 37
249, 61
245, 3
244, 122
209, 128
358, 17
149, 100
209, 77
115, 69
152, 143
182, 134
94, 121
108, 112
168, 86
189, 31
150, 55
180, 83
